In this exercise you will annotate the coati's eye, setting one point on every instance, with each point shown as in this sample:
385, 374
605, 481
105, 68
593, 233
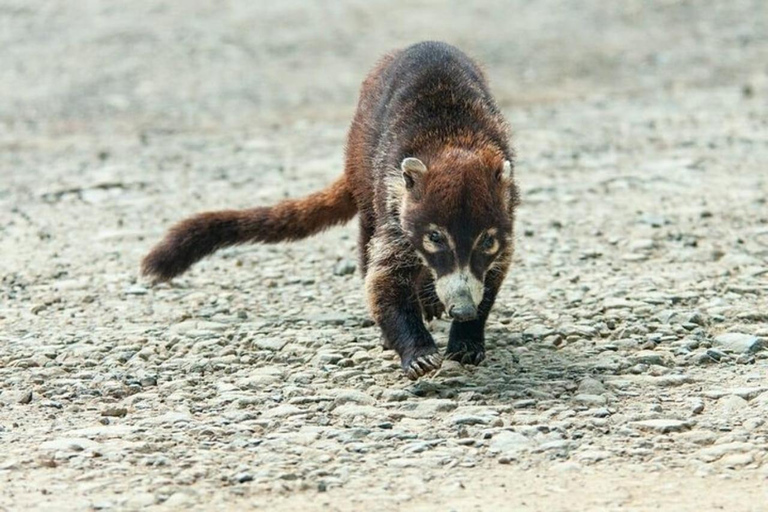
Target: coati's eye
436, 237
434, 241
488, 244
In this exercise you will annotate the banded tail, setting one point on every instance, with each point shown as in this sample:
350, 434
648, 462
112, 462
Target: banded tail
194, 238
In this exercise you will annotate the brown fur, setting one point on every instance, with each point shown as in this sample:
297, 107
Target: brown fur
428, 103
196, 237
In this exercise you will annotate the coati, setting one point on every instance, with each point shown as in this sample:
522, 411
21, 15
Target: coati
429, 172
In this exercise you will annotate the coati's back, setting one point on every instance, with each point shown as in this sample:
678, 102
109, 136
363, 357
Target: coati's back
433, 93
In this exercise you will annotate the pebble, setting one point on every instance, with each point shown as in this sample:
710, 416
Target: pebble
590, 386
716, 452
344, 267
283, 411
662, 426
731, 404
344, 396
738, 343
589, 400
273, 344
507, 441
747, 393
537, 331
117, 412
650, 357
468, 419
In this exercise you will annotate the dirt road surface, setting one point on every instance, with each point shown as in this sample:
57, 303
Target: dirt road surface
627, 364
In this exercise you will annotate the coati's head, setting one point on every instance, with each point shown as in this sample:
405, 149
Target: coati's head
457, 211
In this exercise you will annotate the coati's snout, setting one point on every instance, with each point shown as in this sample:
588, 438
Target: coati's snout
461, 293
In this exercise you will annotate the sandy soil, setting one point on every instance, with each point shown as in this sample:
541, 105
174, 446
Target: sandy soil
627, 364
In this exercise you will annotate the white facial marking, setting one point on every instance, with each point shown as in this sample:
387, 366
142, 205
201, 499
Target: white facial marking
457, 286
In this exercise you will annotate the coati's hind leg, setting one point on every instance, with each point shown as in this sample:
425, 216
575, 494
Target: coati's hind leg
395, 308
466, 341
431, 306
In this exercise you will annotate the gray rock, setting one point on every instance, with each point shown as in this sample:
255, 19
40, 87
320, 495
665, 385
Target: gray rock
590, 386
716, 452
731, 404
650, 357
537, 331
738, 343
344, 267
274, 344
116, 412
507, 441
662, 426
590, 400
469, 419
747, 393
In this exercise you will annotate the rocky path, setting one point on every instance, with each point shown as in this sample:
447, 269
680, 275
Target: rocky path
627, 365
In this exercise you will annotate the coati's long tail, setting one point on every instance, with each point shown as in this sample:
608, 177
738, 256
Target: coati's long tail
200, 235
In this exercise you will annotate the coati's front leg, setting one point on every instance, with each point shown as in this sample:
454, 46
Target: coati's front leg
394, 304
466, 341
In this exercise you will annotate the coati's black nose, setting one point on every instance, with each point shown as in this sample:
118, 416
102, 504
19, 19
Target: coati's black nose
463, 312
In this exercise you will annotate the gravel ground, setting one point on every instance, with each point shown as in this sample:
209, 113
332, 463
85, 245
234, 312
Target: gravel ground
627, 363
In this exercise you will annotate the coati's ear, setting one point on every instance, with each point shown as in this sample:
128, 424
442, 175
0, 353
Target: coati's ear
505, 173
413, 171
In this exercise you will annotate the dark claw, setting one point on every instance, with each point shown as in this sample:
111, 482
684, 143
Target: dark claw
422, 365
468, 358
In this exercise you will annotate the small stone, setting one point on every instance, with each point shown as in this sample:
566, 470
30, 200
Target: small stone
282, 411
353, 396
273, 344
745, 393
662, 426
468, 419
243, 477
718, 451
697, 406
590, 386
649, 357
114, 412
25, 398
737, 460
537, 331
641, 244
329, 358
590, 400
731, 404
136, 289
344, 267
738, 343
508, 441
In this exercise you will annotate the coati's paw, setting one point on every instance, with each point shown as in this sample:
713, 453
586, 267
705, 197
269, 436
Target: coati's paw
465, 351
422, 362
